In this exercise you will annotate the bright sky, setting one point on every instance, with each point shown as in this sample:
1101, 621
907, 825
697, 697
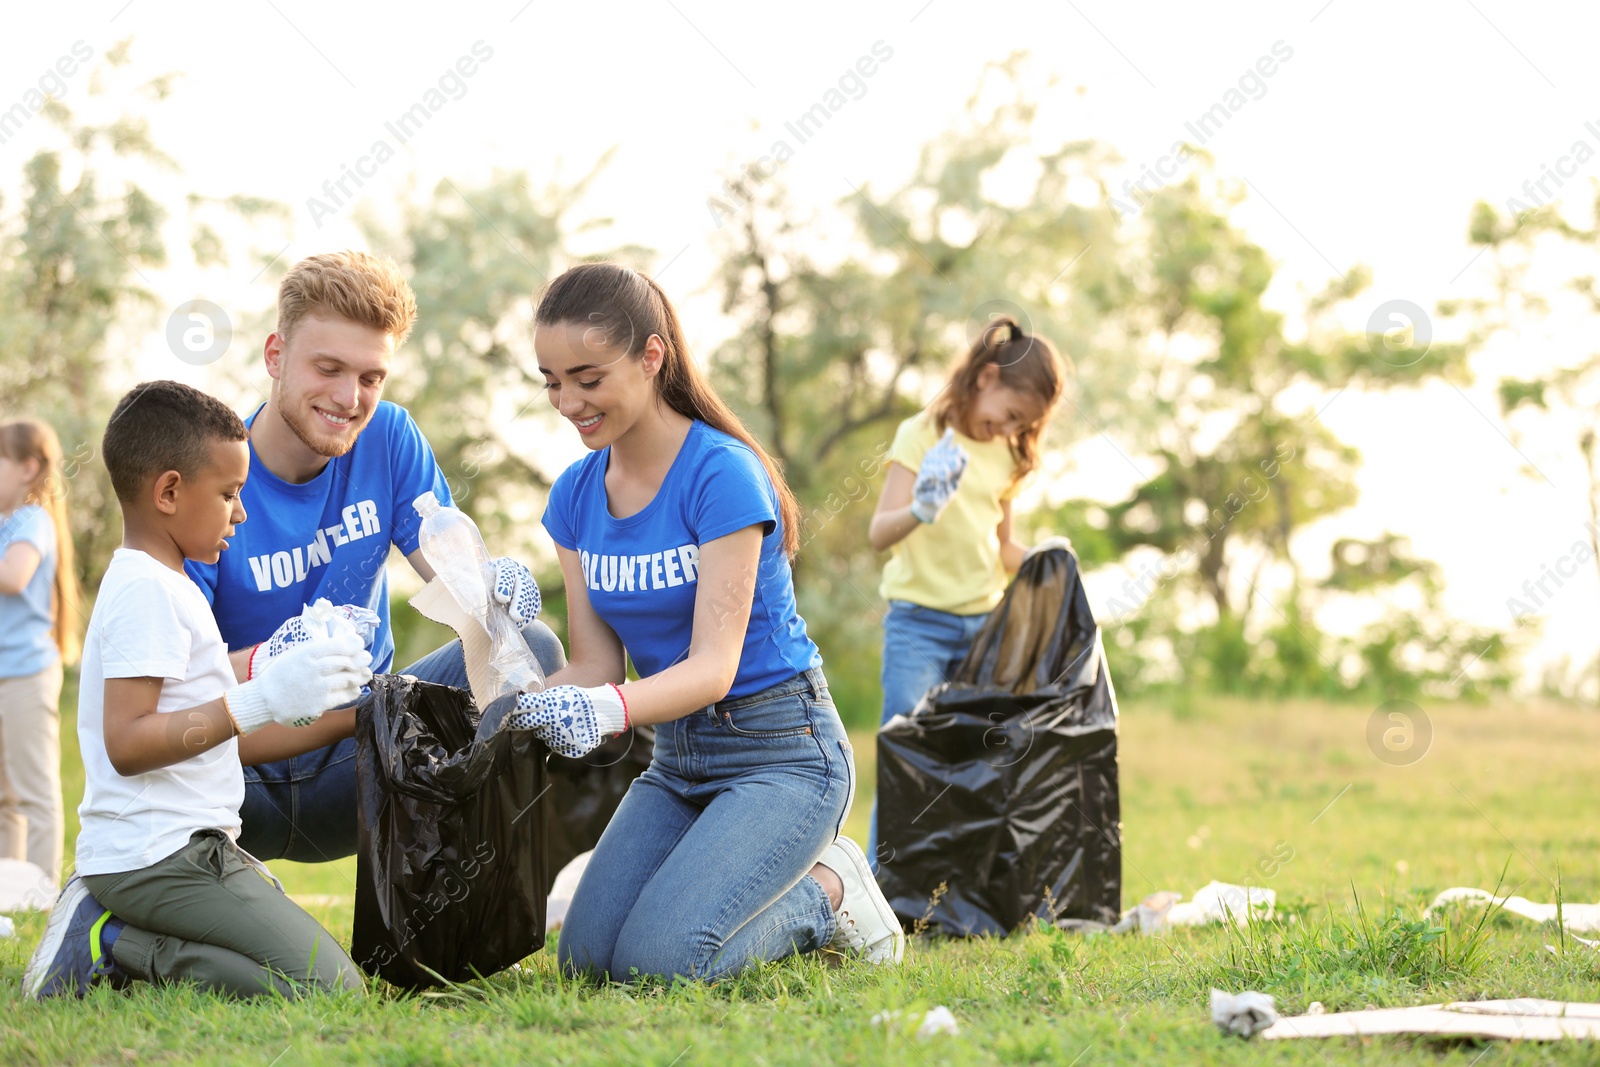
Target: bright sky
1367, 144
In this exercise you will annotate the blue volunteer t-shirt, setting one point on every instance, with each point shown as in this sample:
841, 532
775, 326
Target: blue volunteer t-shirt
329, 537
642, 572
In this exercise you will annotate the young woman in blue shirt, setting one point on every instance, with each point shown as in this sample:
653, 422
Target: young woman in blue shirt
675, 536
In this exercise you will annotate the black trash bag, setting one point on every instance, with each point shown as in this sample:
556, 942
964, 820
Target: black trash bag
1001, 786
585, 793
450, 870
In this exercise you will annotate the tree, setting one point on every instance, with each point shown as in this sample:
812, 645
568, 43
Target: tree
1238, 469
1544, 276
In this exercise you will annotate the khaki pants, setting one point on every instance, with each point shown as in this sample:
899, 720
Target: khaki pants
31, 822
205, 915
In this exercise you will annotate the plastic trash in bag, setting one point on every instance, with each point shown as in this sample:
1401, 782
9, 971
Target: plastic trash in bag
585, 792
451, 871
452, 545
997, 796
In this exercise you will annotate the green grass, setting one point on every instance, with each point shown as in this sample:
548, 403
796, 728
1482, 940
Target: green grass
1283, 795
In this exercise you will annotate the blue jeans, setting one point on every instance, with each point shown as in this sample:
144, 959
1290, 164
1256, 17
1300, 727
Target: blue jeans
304, 808
704, 867
922, 647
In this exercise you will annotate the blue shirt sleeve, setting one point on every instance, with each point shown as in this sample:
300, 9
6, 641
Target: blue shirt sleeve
732, 491
558, 519
415, 471
32, 526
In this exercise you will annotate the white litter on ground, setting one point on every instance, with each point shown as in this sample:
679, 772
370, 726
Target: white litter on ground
1513, 1020
7, 927
1214, 902
935, 1021
25, 887
1242, 1014
566, 884
1573, 916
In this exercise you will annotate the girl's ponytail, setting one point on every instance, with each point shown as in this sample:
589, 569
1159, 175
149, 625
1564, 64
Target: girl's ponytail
20, 441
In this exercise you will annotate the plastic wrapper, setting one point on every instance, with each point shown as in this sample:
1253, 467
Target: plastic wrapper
585, 793
454, 548
451, 871
997, 796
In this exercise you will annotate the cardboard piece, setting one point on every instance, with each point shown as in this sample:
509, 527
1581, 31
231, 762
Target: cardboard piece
434, 602
1525, 1019
1573, 916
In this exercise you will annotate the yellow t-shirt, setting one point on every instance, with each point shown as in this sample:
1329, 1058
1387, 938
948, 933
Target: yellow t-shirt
953, 564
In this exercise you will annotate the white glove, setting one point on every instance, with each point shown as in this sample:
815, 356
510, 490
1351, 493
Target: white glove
318, 620
298, 686
515, 589
938, 477
572, 721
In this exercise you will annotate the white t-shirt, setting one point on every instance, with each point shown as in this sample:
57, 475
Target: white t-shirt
152, 622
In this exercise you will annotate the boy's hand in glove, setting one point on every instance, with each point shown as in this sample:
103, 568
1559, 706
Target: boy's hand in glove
302, 683
572, 721
938, 477
319, 620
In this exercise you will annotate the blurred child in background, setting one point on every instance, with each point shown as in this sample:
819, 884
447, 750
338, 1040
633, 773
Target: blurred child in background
945, 514
39, 609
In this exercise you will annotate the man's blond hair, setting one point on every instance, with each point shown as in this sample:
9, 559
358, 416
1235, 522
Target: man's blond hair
352, 285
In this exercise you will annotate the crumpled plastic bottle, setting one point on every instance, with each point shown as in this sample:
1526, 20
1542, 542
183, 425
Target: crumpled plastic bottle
454, 548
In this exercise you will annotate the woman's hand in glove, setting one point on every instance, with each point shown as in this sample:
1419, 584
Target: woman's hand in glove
572, 721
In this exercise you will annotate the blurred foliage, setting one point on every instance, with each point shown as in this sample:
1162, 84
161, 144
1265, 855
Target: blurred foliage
1239, 468
75, 253
1526, 300
1411, 650
77, 258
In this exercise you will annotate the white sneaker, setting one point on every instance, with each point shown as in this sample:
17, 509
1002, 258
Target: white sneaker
867, 926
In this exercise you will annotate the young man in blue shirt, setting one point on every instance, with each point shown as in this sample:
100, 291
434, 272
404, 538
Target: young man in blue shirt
333, 473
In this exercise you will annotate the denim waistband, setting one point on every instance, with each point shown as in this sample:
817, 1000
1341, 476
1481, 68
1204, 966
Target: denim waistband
811, 679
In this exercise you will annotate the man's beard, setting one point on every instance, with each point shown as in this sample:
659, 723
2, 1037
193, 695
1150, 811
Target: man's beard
321, 448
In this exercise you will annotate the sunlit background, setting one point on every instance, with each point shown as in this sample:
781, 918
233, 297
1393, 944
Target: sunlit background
1365, 148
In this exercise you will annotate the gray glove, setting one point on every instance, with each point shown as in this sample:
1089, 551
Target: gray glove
938, 477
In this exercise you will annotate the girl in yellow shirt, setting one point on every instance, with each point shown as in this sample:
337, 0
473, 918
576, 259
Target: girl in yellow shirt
945, 513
